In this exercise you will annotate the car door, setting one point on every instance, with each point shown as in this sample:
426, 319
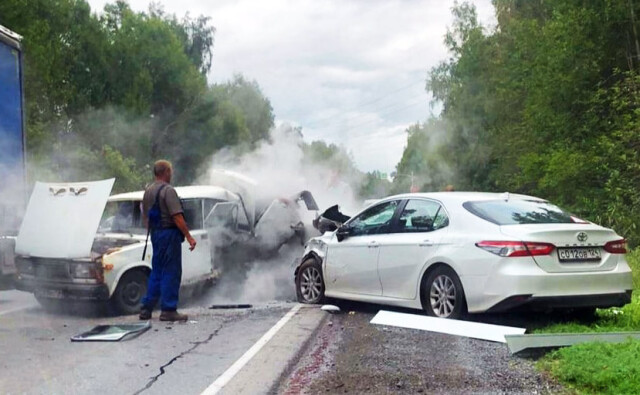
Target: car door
196, 264
415, 238
351, 265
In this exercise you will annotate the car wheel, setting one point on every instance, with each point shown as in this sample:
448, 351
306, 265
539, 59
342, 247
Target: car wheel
309, 282
442, 294
131, 288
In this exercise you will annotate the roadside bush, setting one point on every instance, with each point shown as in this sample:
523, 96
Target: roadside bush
600, 368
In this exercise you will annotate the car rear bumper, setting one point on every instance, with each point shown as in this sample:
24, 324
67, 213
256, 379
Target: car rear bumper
561, 302
520, 283
59, 290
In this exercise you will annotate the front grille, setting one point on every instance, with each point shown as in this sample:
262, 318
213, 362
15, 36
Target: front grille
53, 271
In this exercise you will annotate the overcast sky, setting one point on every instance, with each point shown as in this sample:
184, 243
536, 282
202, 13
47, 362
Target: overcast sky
350, 72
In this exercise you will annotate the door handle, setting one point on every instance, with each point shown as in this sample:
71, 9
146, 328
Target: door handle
426, 243
373, 244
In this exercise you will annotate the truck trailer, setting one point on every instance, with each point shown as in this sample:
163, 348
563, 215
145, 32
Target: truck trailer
12, 151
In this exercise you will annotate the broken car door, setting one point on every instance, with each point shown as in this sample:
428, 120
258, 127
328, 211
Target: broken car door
352, 264
413, 240
196, 264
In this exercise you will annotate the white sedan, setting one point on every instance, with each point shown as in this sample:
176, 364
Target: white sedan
455, 252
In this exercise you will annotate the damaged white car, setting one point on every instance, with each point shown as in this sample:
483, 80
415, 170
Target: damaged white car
77, 243
455, 252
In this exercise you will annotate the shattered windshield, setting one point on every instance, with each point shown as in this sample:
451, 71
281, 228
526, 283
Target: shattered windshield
122, 217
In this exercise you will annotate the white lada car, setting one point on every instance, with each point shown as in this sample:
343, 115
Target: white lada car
455, 252
77, 243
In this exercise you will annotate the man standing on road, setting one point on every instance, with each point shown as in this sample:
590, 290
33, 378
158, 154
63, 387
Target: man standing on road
163, 215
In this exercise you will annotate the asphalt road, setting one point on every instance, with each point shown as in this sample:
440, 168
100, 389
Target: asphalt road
350, 355
39, 358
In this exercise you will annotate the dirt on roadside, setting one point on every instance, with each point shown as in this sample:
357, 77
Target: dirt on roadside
350, 355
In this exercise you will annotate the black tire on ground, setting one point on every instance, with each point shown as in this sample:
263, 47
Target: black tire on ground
310, 283
442, 294
131, 288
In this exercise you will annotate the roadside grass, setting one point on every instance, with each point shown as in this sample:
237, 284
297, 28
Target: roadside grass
597, 367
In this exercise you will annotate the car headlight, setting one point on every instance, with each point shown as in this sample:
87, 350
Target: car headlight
25, 266
86, 270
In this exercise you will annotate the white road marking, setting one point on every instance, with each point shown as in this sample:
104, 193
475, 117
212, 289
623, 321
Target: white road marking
225, 377
13, 310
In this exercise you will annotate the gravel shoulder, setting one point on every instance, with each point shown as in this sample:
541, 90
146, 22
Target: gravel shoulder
349, 355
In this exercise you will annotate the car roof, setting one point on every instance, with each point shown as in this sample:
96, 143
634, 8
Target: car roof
462, 197
188, 192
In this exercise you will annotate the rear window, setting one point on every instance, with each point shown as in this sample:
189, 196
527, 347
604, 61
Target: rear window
514, 212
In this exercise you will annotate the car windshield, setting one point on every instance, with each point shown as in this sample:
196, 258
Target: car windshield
122, 217
514, 212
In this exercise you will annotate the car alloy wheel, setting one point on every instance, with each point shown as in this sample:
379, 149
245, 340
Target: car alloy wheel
311, 283
442, 296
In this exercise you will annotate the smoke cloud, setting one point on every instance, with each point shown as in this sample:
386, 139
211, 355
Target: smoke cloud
280, 170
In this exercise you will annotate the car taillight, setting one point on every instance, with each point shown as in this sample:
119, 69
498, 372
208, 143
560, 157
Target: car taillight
616, 247
516, 248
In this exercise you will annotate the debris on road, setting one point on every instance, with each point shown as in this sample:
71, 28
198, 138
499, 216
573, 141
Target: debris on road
111, 333
476, 330
518, 343
230, 306
330, 308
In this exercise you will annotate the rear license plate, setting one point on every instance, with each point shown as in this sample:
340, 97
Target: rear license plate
50, 293
579, 254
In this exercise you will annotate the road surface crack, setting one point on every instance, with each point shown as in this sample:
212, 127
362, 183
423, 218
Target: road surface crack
195, 345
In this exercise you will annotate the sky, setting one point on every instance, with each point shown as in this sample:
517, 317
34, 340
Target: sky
349, 72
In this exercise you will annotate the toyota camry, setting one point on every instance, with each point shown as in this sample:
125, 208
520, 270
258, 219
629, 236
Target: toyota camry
455, 252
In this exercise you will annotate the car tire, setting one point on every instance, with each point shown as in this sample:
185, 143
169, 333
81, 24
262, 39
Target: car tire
309, 282
128, 295
442, 294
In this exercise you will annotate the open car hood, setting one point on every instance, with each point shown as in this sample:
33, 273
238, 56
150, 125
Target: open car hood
62, 219
240, 184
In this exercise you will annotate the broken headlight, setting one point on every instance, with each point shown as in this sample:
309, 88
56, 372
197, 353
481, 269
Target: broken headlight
86, 270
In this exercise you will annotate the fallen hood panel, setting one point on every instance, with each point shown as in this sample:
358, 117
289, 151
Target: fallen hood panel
62, 219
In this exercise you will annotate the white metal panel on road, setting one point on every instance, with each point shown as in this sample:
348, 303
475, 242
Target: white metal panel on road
474, 330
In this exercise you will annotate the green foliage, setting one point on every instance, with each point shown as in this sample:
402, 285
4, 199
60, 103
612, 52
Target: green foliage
597, 368
108, 94
546, 104
601, 367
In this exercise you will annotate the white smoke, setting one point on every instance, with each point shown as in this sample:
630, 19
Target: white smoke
280, 170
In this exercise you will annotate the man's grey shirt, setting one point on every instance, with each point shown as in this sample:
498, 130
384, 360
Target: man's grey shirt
169, 203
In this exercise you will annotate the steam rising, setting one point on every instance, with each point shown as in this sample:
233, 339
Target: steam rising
281, 171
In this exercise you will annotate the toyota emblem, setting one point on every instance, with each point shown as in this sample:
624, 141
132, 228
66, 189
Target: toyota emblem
582, 237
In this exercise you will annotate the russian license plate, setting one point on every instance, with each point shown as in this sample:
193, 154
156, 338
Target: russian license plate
50, 293
579, 254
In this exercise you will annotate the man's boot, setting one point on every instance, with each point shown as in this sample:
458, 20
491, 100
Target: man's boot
173, 316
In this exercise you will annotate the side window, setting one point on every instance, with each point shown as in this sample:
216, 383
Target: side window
422, 216
193, 213
375, 220
223, 215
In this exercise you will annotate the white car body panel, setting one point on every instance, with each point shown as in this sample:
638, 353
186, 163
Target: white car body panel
352, 271
62, 218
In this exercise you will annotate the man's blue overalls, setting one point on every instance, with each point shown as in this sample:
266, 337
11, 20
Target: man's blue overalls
166, 264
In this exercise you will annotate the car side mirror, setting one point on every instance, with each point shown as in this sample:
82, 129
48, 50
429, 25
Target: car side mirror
343, 232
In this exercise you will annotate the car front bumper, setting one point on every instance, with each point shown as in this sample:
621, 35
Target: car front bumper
521, 282
62, 290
